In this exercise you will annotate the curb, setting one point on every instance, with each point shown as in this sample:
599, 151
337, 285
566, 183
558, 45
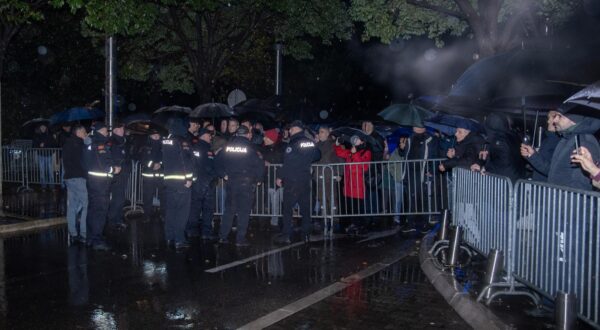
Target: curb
474, 313
18, 228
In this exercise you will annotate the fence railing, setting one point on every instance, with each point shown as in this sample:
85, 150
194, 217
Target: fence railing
550, 235
27, 166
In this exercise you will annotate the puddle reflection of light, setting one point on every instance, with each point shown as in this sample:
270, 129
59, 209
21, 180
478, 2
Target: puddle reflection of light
103, 320
155, 272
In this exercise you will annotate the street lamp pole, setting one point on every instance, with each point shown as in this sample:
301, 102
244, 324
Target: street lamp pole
278, 67
110, 83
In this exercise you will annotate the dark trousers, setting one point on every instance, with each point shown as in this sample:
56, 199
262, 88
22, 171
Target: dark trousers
117, 199
177, 209
296, 192
239, 197
98, 191
355, 206
203, 207
150, 186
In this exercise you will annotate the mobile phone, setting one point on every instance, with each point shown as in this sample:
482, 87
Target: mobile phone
577, 144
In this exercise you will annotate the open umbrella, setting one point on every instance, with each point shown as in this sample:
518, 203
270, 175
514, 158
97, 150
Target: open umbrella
76, 114
174, 108
346, 133
212, 110
267, 119
141, 123
447, 124
588, 97
406, 114
28, 128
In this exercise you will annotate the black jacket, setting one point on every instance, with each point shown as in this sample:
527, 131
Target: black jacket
274, 155
561, 171
73, 161
239, 161
151, 154
299, 155
98, 158
203, 162
43, 140
542, 158
117, 150
467, 152
176, 160
378, 148
504, 157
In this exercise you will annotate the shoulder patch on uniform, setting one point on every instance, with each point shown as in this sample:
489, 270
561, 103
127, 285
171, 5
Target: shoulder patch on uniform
196, 153
288, 150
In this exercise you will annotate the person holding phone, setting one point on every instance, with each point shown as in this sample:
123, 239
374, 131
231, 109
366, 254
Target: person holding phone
560, 168
543, 155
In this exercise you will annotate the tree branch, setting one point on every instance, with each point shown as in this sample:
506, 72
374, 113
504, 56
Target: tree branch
439, 9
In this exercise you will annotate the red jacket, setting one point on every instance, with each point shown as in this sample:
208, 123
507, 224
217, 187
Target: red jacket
354, 181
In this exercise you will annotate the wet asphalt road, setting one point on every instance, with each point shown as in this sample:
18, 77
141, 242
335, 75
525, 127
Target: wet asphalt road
140, 284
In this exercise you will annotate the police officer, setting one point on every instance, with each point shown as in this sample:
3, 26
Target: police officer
203, 192
119, 182
295, 177
100, 169
240, 165
178, 176
151, 172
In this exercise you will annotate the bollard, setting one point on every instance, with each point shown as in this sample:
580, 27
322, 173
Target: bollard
455, 246
565, 310
494, 268
444, 226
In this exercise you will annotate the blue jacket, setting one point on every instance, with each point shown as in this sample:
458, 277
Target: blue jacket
299, 154
239, 161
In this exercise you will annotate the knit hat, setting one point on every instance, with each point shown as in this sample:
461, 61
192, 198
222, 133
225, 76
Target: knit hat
272, 134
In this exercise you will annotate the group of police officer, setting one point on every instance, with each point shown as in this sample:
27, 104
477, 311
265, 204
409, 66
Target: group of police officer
183, 170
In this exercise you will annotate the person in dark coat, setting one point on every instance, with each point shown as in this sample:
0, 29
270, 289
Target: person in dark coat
417, 176
43, 140
63, 134
561, 171
272, 154
242, 168
501, 154
100, 169
117, 143
203, 188
326, 178
543, 155
465, 152
75, 176
152, 182
295, 177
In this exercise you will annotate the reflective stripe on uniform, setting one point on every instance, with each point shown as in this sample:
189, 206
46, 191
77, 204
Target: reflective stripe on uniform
149, 163
175, 177
189, 175
148, 175
100, 174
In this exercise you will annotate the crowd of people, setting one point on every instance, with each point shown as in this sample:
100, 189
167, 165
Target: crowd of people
182, 169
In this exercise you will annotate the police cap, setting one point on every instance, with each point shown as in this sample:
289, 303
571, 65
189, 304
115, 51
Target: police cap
242, 130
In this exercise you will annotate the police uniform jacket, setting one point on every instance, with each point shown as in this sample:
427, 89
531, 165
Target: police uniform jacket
176, 159
203, 162
117, 150
239, 161
98, 158
299, 154
151, 155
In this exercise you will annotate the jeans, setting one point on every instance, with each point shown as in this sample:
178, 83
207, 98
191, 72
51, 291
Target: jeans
275, 197
399, 189
77, 206
45, 170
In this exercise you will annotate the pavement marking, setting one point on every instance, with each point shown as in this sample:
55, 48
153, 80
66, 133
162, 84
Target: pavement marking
314, 239
379, 235
17, 228
303, 303
252, 258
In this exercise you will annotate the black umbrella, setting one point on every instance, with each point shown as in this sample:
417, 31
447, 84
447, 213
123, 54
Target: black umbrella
266, 118
212, 110
141, 123
28, 128
174, 109
588, 97
406, 114
346, 133
447, 124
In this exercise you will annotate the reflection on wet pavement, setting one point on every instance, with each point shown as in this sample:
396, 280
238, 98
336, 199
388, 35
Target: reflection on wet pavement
398, 297
36, 204
45, 283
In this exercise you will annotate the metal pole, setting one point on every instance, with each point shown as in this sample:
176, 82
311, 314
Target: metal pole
110, 83
494, 267
278, 67
444, 226
1, 161
455, 246
565, 310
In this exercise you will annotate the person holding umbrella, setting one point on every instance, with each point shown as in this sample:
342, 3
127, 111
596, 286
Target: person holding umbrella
43, 140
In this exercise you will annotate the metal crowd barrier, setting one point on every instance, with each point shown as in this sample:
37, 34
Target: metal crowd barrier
557, 241
13, 166
31, 166
550, 236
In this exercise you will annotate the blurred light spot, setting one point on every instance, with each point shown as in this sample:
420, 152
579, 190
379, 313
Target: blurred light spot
430, 55
103, 320
475, 56
42, 50
323, 114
